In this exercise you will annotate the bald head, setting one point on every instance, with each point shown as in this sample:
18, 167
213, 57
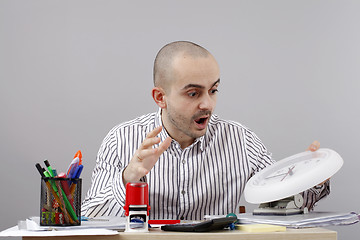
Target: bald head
163, 65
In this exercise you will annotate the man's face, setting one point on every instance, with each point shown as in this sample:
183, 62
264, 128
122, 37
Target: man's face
191, 97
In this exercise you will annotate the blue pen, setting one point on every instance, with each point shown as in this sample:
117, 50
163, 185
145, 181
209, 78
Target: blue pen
78, 171
72, 168
73, 183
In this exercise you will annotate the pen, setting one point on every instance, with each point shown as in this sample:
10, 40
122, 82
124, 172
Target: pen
83, 218
65, 187
73, 167
74, 164
47, 174
49, 168
77, 172
40, 169
43, 174
79, 155
163, 221
50, 174
61, 197
73, 184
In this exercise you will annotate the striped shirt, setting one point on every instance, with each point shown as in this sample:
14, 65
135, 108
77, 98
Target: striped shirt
208, 177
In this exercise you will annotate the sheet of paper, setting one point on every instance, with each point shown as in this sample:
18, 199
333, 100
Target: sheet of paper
15, 232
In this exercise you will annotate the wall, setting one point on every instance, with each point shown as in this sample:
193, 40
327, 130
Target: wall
71, 70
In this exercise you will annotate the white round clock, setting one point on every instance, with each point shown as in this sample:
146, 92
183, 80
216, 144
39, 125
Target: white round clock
292, 175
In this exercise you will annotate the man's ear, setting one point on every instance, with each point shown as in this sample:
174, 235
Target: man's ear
158, 95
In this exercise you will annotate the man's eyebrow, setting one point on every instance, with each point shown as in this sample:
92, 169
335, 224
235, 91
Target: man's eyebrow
217, 82
191, 85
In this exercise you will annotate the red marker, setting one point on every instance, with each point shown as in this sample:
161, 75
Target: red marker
65, 187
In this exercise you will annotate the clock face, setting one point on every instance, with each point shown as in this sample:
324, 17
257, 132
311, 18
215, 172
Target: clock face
292, 175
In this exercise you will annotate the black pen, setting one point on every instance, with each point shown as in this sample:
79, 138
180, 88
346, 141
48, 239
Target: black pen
49, 168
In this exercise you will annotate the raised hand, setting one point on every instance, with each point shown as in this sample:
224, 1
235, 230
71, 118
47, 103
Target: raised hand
145, 156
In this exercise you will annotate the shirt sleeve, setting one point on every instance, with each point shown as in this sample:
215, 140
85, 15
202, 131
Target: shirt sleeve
106, 195
315, 194
257, 154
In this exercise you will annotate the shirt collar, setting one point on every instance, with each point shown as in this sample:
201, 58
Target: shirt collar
164, 134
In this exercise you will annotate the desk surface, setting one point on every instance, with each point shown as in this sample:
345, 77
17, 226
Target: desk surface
290, 234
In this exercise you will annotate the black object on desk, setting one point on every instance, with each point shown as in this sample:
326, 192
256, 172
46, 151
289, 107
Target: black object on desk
206, 226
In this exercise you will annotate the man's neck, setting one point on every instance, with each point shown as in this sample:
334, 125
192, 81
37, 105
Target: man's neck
184, 144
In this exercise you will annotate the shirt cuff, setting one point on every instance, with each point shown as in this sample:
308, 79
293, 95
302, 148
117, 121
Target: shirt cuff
119, 189
321, 188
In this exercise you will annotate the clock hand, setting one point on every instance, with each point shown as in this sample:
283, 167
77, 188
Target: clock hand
276, 175
290, 172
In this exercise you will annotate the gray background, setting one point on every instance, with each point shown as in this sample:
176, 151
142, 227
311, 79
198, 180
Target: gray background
71, 70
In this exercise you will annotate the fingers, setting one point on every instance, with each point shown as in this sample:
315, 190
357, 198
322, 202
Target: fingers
314, 146
149, 142
151, 138
164, 145
154, 132
142, 155
146, 156
146, 151
150, 156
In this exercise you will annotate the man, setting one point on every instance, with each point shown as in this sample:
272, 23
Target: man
194, 162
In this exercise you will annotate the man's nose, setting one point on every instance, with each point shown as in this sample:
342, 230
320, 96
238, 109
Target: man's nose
207, 102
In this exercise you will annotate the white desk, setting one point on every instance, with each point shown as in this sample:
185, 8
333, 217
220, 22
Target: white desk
290, 234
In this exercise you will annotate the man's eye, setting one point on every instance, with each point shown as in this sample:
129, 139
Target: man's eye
214, 91
192, 94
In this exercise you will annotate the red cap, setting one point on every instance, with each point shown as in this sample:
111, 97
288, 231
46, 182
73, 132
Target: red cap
137, 193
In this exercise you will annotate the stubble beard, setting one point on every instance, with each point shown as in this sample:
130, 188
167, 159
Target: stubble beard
178, 120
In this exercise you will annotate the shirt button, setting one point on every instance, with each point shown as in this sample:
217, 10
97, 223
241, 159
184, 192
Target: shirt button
182, 218
182, 192
183, 161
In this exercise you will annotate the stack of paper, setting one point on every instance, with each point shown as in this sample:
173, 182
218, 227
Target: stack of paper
93, 226
312, 219
112, 223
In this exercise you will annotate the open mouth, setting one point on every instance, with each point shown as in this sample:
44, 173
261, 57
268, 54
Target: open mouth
201, 122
